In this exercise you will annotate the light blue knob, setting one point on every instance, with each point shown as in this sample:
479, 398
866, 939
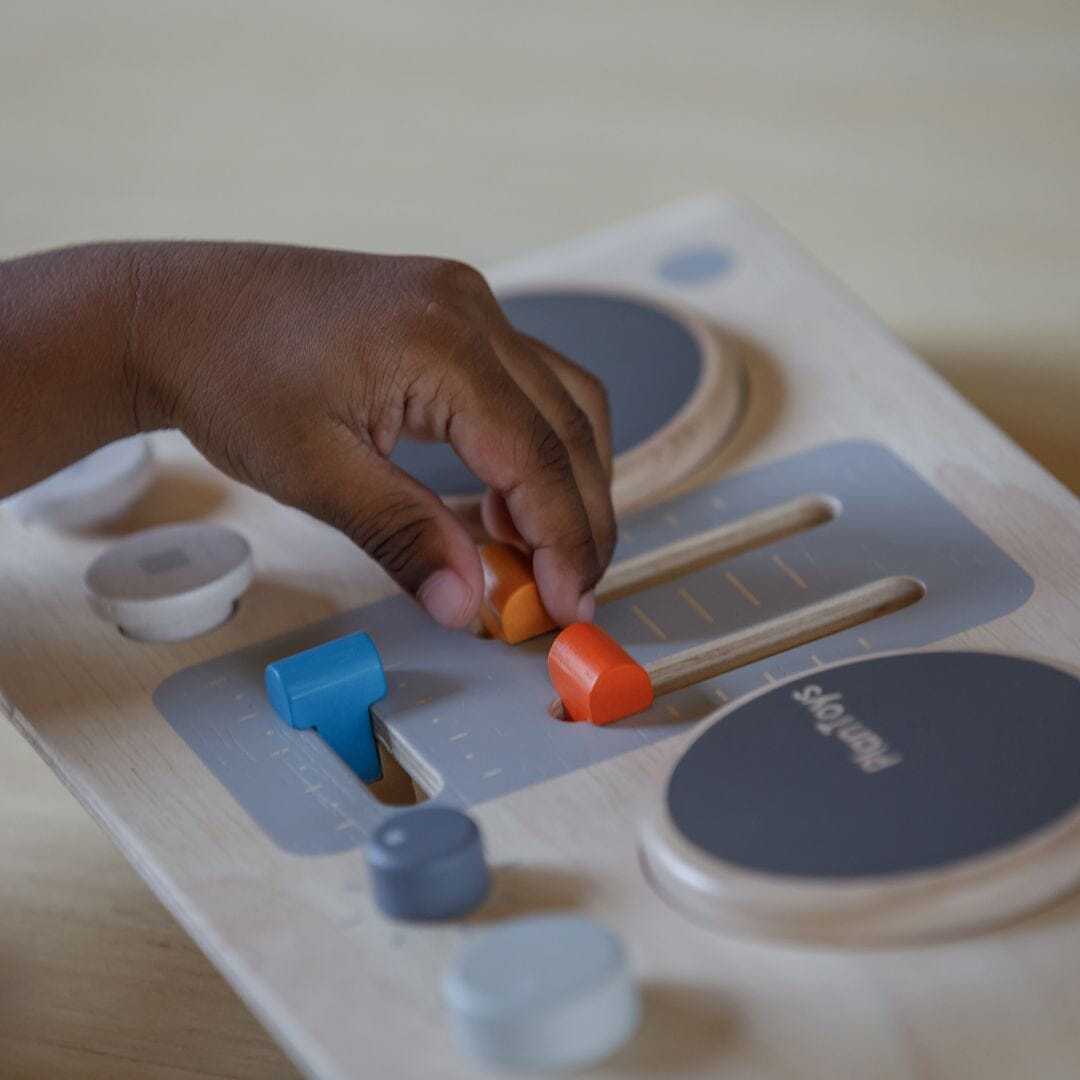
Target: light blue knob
542, 993
428, 864
331, 688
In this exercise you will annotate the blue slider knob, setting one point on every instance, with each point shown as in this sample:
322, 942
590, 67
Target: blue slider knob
331, 688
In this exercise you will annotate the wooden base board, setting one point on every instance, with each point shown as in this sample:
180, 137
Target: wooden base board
299, 937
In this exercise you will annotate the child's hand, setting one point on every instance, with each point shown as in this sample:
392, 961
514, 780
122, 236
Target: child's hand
297, 370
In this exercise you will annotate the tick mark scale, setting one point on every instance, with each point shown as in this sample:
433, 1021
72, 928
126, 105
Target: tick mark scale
598, 681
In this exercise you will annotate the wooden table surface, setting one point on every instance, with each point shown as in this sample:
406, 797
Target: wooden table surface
930, 159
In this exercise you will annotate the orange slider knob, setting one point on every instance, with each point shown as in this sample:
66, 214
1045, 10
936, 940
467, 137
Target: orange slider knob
595, 677
511, 609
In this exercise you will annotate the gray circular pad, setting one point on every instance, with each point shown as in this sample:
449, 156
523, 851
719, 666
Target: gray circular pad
886, 766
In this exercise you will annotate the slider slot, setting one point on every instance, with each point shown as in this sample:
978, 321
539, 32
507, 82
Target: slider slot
428, 782
715, 545
772, 636
787, 631
512, 609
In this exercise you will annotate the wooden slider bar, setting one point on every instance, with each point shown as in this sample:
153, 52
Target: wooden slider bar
597, 680
512, 609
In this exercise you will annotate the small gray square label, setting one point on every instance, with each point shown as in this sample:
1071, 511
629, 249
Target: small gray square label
161, 562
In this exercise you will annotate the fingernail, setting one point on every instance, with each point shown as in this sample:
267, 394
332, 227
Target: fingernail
445, 597
586, 607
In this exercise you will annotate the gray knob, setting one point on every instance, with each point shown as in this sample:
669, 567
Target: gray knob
428, 864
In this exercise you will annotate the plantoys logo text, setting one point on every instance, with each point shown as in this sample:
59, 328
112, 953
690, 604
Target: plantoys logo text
869, 751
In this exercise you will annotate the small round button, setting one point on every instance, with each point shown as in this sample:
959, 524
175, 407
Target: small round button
172, 582
90, 492
696, 265
428, 864
550, 992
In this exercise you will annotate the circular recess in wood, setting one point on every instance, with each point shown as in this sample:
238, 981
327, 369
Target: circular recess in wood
900, 797
675, 391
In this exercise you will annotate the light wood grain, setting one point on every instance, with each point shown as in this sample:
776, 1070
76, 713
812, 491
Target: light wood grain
928, 155
96, 978
714, 545
796, 627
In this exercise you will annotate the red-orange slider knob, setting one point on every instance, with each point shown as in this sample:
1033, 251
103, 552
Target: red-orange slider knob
595, 677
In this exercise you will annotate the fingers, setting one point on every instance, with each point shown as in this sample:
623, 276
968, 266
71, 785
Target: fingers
497, 521
589, 393
507, 441
535, 375
340, 478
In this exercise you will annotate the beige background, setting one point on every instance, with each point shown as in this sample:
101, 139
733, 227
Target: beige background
930, 159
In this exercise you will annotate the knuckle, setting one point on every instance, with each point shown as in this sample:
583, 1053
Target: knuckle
461, 279
597, 393
395, 535
537, 457
482, 394
447, 324
450, 278
582, 544
549, 451
577, 429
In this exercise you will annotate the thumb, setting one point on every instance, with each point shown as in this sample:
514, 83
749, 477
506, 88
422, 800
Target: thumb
400, 523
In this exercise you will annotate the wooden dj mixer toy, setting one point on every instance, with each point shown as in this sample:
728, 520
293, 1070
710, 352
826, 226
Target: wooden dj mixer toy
796, 805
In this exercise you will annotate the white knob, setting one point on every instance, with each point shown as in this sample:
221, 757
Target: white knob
172, 582
90, 492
